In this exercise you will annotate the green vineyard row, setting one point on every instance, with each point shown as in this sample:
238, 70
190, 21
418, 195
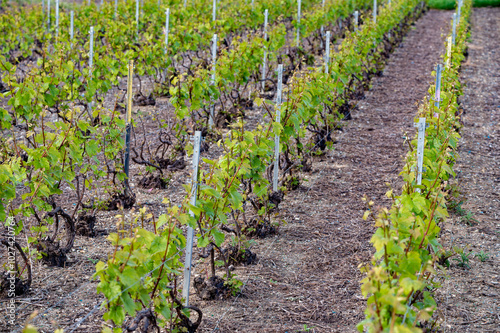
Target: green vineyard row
404, 270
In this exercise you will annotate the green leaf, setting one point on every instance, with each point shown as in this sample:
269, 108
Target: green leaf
218, 237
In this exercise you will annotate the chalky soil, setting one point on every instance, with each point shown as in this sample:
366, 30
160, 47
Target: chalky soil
308, 276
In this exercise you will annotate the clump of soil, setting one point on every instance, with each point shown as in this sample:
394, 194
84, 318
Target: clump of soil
224, 118
291, 183
172, 165
246, 103
235, 256
21, 287
52, 253
141, 100
119, 200
153, 181
144, 322
210, 289
259, 228
85, 226
276, 197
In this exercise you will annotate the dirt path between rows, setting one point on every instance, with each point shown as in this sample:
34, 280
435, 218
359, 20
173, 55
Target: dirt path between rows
307, 277
470, 298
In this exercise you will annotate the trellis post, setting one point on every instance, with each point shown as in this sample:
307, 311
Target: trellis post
277, 137
190, 231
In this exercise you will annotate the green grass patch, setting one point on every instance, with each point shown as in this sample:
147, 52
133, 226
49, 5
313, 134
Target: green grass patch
450, 4
486, 3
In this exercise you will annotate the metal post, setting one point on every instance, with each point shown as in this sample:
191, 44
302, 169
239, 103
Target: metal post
91, 50
167, 19
420, 150
214, 10
185, 3
322, 27
190, 231
253, 5
459, 11
48, 14
356, 20
277, 137
327, 51
298, 22
437, 96
126, 164
214, 59
57, 18
264, 65
91, 64
71, 27
43, 7
454, 31
116, 8
448, 55
375, 11
137, 16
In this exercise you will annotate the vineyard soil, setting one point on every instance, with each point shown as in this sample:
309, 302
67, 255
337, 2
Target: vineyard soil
470, 298
308, 275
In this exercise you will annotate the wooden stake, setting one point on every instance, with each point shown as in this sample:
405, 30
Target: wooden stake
130, 78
